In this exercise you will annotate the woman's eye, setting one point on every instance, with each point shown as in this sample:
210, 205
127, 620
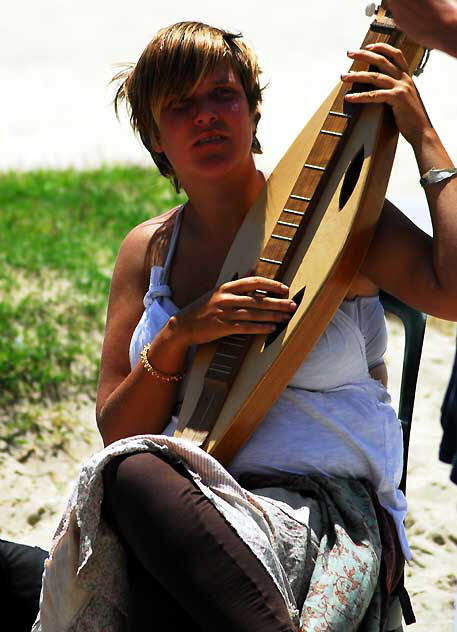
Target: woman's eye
180, 105
224, 93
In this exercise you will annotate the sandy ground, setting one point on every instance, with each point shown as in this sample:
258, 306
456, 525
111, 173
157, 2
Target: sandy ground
35, 491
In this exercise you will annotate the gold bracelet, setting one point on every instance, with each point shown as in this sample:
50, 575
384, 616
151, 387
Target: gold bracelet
160, 375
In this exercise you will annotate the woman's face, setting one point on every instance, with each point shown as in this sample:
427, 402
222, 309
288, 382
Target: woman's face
208, 134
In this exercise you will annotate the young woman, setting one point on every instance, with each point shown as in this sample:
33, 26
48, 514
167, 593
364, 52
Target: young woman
202, 552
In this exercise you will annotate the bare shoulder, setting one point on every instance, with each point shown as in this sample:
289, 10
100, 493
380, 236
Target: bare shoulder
146, 244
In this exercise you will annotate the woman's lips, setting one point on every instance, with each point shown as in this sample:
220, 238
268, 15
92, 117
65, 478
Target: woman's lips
213, 139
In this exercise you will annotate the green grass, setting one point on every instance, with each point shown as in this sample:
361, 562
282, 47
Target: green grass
59, 235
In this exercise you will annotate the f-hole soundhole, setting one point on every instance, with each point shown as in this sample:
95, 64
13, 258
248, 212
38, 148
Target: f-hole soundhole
351, 177
281, 326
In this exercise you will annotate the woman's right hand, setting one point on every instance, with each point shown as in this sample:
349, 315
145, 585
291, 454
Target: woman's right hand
234, 307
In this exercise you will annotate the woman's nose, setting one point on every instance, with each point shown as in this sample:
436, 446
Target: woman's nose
204, 114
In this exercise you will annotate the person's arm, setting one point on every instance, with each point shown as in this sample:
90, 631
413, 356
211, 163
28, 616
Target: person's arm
402, 259
432, 23
406, 262
379, 372
131, 402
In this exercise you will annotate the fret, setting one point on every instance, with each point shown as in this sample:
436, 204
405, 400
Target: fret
234, 343
300, 198
241, 338
289, 210
314, 167
281, 237
273, 261
340, 114
216, 369
329, 133
219, 365
289, 224
219, 354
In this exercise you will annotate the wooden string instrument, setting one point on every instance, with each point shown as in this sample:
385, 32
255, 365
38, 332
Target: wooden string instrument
310, 228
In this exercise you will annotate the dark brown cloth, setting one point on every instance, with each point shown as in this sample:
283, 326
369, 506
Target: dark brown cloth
448, 447
21, 569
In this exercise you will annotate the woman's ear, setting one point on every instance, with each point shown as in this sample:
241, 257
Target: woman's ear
255, 121
256, 147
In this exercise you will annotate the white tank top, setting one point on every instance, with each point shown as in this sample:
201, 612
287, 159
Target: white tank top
332, 418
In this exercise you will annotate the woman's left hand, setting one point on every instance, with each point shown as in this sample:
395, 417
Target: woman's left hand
392, 85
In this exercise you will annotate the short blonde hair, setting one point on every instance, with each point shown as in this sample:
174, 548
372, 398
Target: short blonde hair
171, 66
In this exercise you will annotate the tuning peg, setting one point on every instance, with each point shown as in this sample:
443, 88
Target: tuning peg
370, 9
